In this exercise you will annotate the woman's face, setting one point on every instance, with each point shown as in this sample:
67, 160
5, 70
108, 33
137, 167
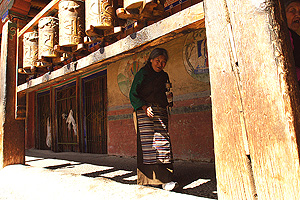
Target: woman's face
158, 63
293, 15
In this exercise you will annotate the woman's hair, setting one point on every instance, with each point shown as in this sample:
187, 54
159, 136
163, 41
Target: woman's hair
287, 2
158, 52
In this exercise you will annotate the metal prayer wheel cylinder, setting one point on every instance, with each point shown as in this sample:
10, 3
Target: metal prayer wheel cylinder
99, 14
71, 22
30, 49
48, 37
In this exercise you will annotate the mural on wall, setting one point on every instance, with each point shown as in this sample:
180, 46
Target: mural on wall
194, 59
128, 67
195, 55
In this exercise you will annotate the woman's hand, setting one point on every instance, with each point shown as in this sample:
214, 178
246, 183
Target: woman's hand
148, 111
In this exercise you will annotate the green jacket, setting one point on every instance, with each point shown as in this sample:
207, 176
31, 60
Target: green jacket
149, 87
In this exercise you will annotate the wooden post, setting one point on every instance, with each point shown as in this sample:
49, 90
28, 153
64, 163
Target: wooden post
255, 100
12, 149
20, 110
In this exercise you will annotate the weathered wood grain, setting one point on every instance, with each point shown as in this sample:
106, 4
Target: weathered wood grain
269, 87
258, 84
12, 146
233, 169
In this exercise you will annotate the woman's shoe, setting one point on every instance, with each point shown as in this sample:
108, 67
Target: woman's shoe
170, 186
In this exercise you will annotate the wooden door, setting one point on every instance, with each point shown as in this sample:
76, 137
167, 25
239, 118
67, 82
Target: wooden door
95, 119
43, 121
66, 118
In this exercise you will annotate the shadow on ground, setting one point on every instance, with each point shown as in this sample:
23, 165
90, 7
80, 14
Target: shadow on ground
194, 178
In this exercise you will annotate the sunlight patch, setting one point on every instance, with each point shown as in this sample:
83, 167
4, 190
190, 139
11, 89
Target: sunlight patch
196, 183
116, 173
84, 169
50, 163
29, 158
131, 178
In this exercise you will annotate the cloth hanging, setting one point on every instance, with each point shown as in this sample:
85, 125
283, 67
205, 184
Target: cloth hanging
48, 138
71, 121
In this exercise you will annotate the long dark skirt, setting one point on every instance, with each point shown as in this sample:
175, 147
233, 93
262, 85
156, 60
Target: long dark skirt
155, 173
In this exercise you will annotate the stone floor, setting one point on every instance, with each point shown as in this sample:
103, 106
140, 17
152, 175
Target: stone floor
194, 178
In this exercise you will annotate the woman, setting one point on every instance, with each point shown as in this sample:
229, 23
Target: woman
148, 98
292, 10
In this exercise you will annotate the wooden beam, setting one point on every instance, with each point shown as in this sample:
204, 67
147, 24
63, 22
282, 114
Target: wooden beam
39, 3
165, 30
52, 5
255, 100
33, 12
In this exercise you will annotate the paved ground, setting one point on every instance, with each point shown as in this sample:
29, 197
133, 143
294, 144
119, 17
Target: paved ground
68, 175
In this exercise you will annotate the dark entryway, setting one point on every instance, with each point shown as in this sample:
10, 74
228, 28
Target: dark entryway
43, 121
95, 109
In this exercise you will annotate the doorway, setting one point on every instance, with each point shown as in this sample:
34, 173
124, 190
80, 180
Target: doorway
95, 113
43, 121
66, 117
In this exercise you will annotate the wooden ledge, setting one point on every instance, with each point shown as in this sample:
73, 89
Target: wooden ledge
172, 27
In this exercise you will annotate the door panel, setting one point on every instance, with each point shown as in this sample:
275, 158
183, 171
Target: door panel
95, 101
43, 115
66, 116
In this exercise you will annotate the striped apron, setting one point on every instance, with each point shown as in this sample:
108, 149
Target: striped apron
155, 138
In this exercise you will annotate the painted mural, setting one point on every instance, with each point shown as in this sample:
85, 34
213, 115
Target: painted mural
128, 67
194, 59
195, 55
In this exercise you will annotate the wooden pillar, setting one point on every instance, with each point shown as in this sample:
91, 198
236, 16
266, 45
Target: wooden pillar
255, 100
12, 150
30, 120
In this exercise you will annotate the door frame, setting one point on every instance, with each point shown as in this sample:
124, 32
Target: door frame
37, 137
68, 83
85, 78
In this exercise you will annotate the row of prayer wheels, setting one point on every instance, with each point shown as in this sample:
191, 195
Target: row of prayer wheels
76, 19
67, 30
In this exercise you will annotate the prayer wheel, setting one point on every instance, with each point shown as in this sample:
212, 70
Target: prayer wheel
132, 4
30, 50
99, 14
71, 22
48, 36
